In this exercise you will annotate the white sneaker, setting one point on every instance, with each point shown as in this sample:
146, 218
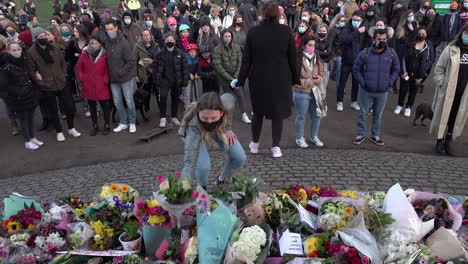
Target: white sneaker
175, 121
73, 132
397, 110
132, 128
355, 106
162, 122
407, 112
276, 152
60, 137
30, 145
316, 141
245, 118
301, 143
339, 107
120, 128
253, 147
87, 114
37, 142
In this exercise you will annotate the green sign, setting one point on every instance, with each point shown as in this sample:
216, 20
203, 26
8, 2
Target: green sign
442, 6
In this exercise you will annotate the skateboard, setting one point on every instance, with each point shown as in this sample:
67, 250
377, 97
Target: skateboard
156, 131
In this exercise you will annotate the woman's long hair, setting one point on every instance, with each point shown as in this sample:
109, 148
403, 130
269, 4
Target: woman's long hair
335, 21
401, 30
243, 27
209, 101
458, 40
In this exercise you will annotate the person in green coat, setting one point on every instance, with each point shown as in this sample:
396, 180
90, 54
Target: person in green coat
227, 59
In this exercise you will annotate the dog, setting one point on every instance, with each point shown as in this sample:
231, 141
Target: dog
424, 110
139, 97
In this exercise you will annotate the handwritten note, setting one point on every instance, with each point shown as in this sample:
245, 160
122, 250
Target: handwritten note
291, 243
305, 216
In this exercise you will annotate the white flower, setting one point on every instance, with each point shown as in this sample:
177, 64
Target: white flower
97, 237
47, 218
250, 242
56, 240
56, 212
164, 185
409, 191
112, 204
40, 242
124, 214
186, 185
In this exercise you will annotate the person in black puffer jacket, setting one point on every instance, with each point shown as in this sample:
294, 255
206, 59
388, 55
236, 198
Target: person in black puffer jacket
172, 74
17, 89
433, 23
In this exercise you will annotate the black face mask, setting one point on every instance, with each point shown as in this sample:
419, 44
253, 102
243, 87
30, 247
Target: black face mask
430, 16
210, 126
381, 45
420, 38
453, 10
43, 41
321, 35
170, 44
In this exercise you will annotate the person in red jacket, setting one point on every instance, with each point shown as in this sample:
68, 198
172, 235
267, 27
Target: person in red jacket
94, 78
463, 12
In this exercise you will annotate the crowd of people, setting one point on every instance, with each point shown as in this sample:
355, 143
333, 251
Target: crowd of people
286, 51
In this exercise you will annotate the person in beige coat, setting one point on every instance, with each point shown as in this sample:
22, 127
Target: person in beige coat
450, 104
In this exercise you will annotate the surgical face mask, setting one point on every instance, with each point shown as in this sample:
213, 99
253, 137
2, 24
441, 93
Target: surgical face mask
309, 50
170, 44
341, 24
232, 13
127, 21
227, 40
149, 23
305, 18
112, 34
92, 49
210, 126
356, 24
16, 53
465, 5
382, 1
302, 30
66, 34
281, 21
410, 19
465, 39
42, 41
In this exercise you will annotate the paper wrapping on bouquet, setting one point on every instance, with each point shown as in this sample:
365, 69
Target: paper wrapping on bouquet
320, 97
153, 236
305, 261
234, 257
214, 233
274, 260
176, 210
445, 245
16, 202
423, 196
253, 213
87, 233
356, 203
407, 222
356, 235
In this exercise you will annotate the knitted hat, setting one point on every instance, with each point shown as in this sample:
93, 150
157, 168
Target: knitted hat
26, 37
172, 21
37, 31
205, 21
454, 4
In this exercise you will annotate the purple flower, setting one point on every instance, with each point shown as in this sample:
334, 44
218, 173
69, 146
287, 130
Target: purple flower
116, 199
423, 261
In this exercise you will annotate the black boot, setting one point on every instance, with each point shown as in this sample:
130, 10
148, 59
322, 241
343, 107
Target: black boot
94, 130
449, 145
439, 147
106, 130
45, 125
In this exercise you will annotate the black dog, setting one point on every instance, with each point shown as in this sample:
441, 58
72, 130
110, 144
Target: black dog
139, 97
424, 110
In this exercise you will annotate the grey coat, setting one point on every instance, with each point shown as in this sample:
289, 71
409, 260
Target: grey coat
120, 59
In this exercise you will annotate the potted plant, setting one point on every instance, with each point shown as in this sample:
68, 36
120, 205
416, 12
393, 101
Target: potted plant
131, 237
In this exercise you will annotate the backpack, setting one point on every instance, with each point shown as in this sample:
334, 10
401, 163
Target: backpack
366, 55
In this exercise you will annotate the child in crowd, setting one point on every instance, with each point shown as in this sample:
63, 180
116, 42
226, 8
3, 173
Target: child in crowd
206, 70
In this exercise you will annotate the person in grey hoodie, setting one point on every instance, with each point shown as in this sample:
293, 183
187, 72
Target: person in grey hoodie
122, 71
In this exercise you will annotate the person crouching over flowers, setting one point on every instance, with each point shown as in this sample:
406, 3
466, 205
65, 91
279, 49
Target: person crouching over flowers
207, 122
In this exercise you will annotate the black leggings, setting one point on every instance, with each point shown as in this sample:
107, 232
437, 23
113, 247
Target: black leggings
291, 20
149, 87
405, 88
276, 125
66, 99
26, 119
105, 105
455, 107
162, 102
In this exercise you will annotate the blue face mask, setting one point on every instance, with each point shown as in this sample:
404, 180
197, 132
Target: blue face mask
302, 30
232, 13
341, 24
66, 34
410, 19
465, 5
356, 24
465, 39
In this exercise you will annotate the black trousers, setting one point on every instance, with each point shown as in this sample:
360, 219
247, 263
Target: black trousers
163, 94
346, 70
66, 99
149, 87
136, 14
106, 109
407, 87
291, 20
210, 85
276, 125
26, 120
455, 106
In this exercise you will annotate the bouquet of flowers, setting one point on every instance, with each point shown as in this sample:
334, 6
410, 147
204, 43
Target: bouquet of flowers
249, 245
436, 209
341, 254
244, 190
277, 206
104, 237
25, 219
50, 243
151, 213
335, 216
321, 191
76, 204
316, 246
119, 195
299, 193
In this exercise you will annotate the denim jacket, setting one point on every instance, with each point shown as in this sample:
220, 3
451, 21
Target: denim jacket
192, 136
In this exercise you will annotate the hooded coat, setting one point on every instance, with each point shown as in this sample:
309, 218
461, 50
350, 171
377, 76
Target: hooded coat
94, 76
131, 32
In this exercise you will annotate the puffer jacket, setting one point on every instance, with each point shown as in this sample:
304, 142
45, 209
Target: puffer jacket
378, 72
16, 85
120, 59
334, 38
323, 48
227, 62
352, 42
181, 69
54, 76
141, 52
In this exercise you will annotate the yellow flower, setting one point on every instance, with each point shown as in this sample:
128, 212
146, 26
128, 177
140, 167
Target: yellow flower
349, 194
156, 219
106, 191
31, 226
114, 187
124, 188
302, 194
14, 226
268, 210
349, 211
311, 245
152, 203
285, 196
315, 189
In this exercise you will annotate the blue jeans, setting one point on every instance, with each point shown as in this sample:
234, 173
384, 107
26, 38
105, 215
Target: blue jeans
367, 100
305, 102
236, 158
126, 89
336, 71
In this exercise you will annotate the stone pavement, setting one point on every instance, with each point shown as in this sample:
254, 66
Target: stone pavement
355, 169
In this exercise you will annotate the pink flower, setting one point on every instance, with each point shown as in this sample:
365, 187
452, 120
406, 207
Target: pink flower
117, 260
195, 195
164, 185
160, 178
186, 185
365, 260
203, 196
178, 174
352, 252
344, 250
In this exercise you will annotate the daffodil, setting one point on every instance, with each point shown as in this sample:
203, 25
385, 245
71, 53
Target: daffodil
156, 219
152, 203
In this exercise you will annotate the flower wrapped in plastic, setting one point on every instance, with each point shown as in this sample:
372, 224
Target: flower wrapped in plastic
336, 213
250, 245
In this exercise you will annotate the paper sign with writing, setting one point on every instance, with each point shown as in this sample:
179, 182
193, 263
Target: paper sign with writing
305, 217
291, 243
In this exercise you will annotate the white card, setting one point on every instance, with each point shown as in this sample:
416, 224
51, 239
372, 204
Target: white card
305, 216
291, 243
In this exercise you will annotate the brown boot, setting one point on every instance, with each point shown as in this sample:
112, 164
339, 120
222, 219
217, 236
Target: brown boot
14, 127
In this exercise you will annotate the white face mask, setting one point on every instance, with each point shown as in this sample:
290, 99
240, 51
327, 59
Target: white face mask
305, 18
16, 53
380, 27
281, 21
